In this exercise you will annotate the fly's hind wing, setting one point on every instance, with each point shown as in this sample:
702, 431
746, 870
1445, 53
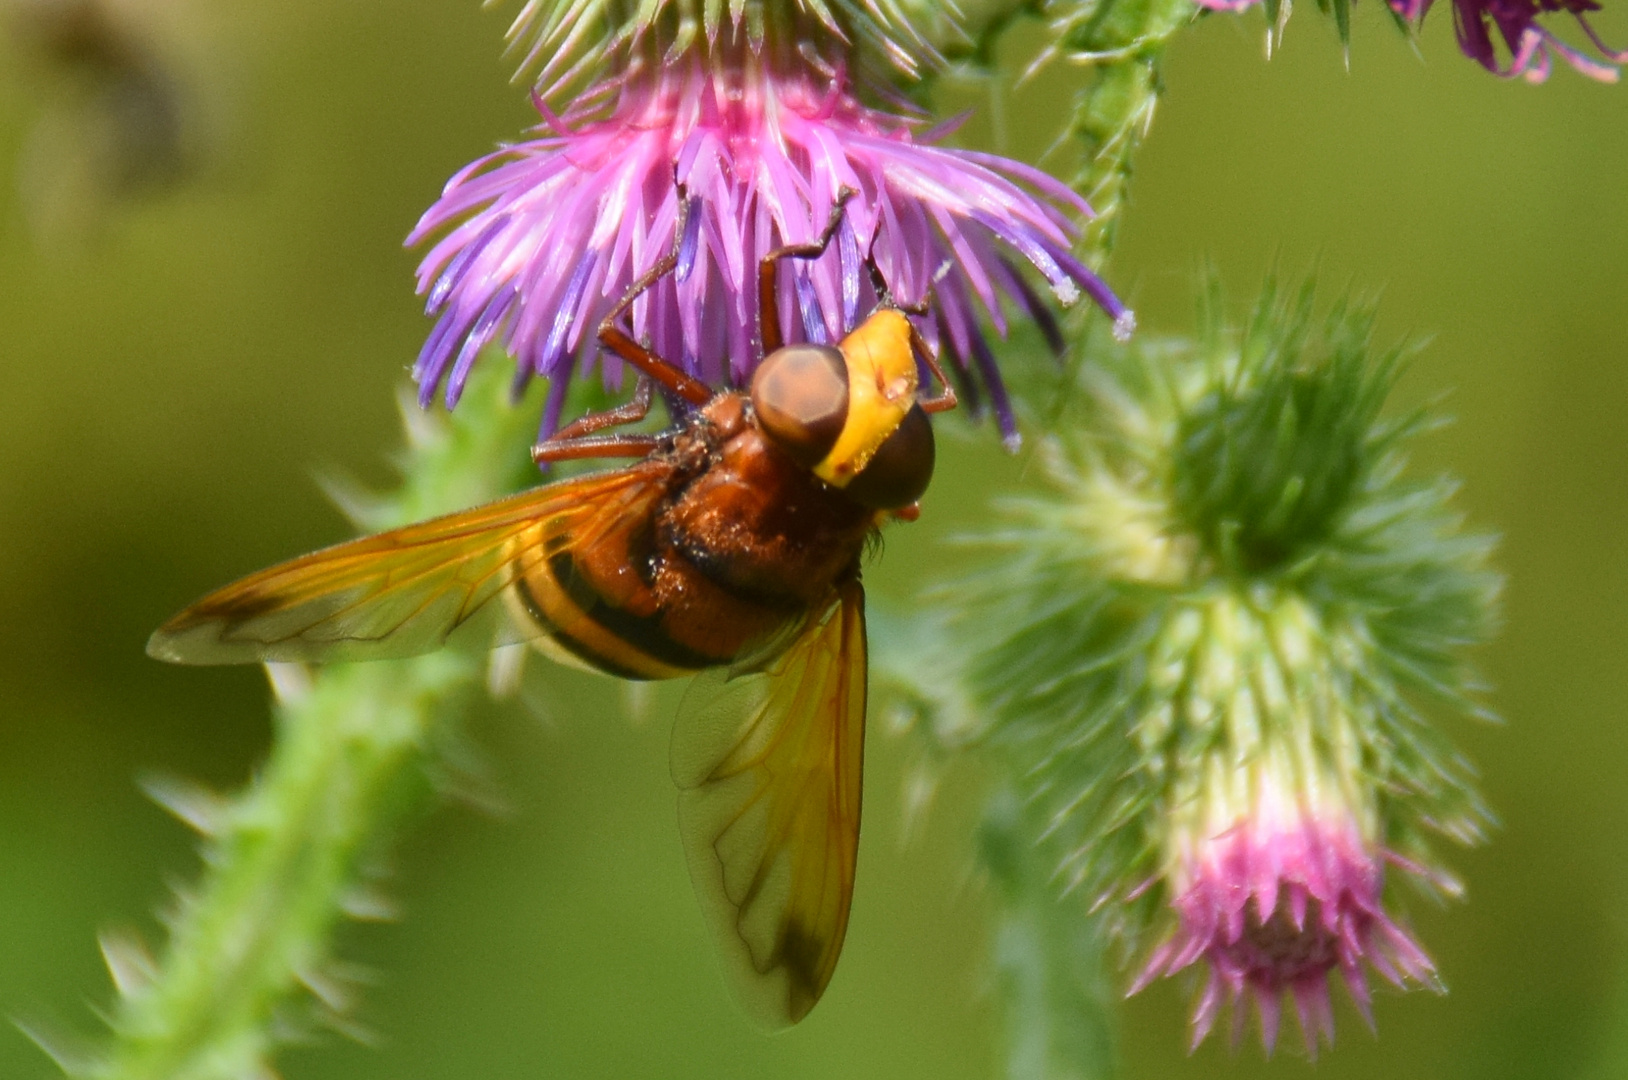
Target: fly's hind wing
769, 765
406, 591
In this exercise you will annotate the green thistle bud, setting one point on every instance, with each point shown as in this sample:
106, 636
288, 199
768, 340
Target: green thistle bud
560, 39
1209, 651
1267, 460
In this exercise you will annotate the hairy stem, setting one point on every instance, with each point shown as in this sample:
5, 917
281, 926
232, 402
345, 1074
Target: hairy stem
1048, 955
287, 862
1123, 43
294, 854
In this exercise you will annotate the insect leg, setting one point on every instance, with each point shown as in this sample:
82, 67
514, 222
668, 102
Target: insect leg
884, 295
622, 344
577, 440
768, 274
593, 446
946, 400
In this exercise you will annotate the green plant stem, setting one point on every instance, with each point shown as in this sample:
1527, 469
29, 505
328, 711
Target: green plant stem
1048, 956
289, 855
354, 758
1123, 44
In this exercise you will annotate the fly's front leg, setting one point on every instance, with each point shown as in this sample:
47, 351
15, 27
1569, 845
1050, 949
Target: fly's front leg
578, 439
946, 400
768, 274
621, 343
884, 295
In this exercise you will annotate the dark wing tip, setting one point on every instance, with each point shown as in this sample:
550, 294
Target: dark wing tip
808, 959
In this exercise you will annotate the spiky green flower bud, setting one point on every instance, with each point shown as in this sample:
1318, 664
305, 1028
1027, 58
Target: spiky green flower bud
560, 39
1211, 649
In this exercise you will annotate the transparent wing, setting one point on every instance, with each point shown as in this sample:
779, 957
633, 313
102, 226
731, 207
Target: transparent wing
404, 592
769, 764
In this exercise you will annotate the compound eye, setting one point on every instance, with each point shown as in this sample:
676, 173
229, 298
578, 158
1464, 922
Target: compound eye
901, 469
800, 395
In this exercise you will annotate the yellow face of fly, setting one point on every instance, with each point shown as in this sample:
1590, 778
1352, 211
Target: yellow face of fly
881, 390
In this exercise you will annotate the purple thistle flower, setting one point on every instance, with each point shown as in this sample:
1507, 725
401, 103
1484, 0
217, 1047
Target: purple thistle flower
540, 238
1276, 900
1531, 46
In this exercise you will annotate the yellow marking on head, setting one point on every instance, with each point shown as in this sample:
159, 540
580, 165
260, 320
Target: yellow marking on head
881, 390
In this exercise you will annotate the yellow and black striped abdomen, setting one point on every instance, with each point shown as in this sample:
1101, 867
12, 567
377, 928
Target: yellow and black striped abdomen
595, 631
621, 608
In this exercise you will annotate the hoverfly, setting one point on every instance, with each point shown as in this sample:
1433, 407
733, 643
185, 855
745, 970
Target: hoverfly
731, 548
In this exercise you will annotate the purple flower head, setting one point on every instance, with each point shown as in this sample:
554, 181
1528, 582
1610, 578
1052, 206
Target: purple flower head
539, 239
1531, 46
1276, 899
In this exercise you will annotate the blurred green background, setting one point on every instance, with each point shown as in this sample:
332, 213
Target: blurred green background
178, 364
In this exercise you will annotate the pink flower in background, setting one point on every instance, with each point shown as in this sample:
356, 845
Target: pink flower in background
539, 239
1531, 46
1275, 901
1482, 23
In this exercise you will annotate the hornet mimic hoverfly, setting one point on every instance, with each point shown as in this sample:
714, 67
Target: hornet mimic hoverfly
730, 548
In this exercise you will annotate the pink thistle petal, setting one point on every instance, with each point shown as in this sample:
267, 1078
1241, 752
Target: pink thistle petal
1157, 964
1264, 883
1235, 917
1240, 1019
1270, 1008
1299, 897
1409, 957
1194, 947
1361, 996
1582, 63
1205, 1012
1619, 56
1531, 46
1480, 23
1381, 963
1312, 1009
